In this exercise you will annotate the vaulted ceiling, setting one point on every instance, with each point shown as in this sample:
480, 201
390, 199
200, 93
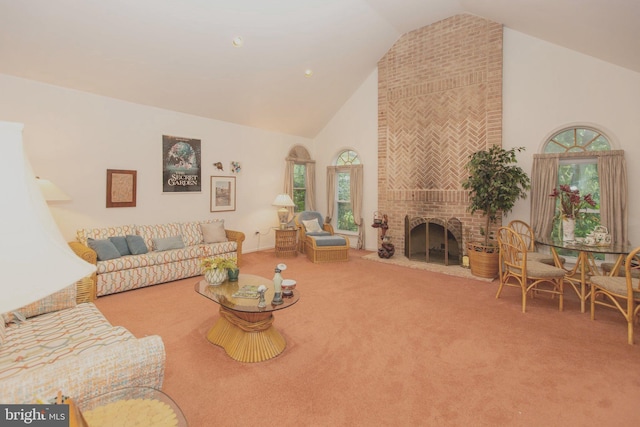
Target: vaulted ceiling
178, 54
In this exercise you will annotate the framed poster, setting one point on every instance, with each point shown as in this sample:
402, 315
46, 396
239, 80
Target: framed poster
223, 193
181, 165
121, 188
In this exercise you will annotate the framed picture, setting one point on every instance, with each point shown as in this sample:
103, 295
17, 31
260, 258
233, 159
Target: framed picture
223, 193
121, 188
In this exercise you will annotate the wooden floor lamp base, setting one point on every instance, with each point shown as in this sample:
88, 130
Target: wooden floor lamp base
247, 337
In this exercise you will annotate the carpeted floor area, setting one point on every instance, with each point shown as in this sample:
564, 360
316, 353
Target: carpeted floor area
379, 344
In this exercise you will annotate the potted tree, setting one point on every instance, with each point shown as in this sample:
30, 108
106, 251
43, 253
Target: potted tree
495, 183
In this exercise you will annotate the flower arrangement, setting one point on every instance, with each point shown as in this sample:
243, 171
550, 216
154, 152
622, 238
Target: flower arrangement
571, 203
215, 263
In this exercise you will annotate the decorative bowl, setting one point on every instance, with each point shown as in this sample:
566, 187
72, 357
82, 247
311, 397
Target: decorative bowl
288, 285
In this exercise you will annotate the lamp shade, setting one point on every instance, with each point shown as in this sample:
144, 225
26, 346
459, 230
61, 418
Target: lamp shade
50, 191
35, 260
283, 201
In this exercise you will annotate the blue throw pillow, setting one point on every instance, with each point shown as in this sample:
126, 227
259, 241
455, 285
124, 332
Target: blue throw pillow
136, 244
104, 248
166, 243
120, 242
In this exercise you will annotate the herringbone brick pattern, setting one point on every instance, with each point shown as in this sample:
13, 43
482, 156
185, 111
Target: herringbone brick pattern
440, 99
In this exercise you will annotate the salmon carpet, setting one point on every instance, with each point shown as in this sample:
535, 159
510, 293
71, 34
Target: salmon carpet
378, 344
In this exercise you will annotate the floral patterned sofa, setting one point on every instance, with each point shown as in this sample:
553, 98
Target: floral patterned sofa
72, 348
150, 254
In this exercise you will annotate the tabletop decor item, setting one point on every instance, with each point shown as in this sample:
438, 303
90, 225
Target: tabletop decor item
215, 269
288, 285
570, 208
277, 283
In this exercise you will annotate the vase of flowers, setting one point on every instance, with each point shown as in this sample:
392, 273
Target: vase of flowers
570, 208
215, 269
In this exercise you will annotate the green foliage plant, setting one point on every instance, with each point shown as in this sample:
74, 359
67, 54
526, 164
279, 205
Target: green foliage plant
495, 182
214, 263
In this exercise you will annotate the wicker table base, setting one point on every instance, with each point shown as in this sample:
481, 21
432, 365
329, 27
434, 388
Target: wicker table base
247, 337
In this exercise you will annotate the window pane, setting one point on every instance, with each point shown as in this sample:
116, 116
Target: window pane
345, 217
298, 200
299, 176
344, 187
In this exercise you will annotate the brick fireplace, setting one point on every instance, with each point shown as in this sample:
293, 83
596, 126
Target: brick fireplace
439, 100
435, 240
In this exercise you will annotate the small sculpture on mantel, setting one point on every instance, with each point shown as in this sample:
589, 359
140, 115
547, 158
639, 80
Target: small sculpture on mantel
381, 221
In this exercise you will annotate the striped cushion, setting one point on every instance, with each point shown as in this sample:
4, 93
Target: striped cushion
104, 233
45, 339
3, 334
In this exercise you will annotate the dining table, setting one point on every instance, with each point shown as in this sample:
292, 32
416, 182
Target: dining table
585, 266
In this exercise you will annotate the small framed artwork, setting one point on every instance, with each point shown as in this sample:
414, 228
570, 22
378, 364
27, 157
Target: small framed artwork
223, 193
121, 188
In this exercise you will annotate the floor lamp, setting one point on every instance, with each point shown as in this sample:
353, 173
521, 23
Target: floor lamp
35, 260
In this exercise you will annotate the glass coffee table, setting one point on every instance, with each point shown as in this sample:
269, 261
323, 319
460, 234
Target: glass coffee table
244, 330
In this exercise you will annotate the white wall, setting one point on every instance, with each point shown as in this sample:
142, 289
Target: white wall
72, 138
355, 127
547, 87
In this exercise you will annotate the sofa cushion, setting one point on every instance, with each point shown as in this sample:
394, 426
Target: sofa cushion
46, 339
64, 298
159, 257
105, 249
213, 232
104, 233
191, 233
120, 242
166, 243
330, 241
136, 245
149, 232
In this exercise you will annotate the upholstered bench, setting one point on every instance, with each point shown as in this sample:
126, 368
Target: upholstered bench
327, 248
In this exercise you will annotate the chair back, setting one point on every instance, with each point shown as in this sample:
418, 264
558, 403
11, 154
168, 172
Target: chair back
513, 250
631, 269
307, 216
526, 233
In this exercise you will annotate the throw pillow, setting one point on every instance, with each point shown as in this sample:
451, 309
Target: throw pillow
104, 248
213, 232
312, 226
120, 242
136, 244
166, 243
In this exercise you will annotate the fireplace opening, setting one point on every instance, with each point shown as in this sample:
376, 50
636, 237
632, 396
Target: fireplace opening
434, 240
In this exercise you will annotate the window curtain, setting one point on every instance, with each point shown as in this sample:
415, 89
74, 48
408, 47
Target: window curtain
544, 178
310, 184
612, 170
356, 183
288, 182
331, 192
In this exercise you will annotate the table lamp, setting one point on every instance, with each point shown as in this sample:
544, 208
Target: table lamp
283, 201
35, 260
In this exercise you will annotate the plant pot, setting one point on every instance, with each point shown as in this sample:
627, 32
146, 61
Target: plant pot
483, 260
233, 274
215, 277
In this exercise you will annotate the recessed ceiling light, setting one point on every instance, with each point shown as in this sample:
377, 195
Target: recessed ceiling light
237, 41
308, 73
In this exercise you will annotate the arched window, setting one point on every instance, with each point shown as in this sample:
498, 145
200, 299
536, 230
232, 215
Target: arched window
579, 173
344, 195
582, 158
345, 220
300, 181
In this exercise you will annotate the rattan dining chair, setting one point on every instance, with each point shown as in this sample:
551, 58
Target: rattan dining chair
517, 270
620, 292
525, 231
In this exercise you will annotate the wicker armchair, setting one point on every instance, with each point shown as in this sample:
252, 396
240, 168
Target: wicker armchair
327, 229
318, 241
